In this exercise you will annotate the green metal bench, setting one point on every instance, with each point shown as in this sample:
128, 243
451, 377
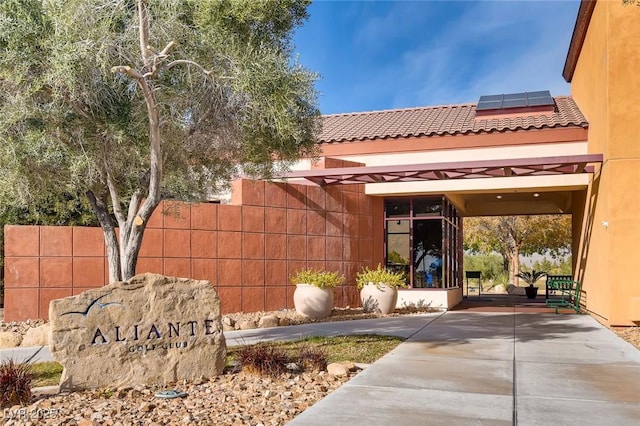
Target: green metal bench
567, 294
549, 286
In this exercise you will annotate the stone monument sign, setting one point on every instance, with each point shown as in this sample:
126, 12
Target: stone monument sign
151, 329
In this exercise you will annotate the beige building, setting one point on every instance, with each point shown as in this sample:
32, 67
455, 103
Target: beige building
603, 67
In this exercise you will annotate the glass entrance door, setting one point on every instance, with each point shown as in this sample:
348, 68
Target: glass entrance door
423, 241
427, 253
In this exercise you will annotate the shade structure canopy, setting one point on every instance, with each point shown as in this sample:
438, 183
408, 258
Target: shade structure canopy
496, 168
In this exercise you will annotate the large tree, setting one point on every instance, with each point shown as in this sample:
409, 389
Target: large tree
512, 236
131, 102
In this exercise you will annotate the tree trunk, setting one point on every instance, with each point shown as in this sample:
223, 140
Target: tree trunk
99, 206
506, 264
515, 264
130, 251
113, 254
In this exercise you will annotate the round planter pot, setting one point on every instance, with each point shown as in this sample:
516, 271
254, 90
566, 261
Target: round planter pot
531, 292
313, 302
379, 298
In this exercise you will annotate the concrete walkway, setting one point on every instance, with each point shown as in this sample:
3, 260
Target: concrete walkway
404, 326
396, 326
494, 368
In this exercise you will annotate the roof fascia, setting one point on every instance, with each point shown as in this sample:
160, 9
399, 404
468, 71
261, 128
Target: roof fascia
585, 11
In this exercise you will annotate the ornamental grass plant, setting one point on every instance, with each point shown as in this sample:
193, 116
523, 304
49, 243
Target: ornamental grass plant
15, 383
317, 278
380, 276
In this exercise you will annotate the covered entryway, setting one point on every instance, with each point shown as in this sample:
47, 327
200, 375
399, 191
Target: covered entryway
424, 204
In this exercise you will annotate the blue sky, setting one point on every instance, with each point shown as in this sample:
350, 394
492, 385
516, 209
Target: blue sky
374, 55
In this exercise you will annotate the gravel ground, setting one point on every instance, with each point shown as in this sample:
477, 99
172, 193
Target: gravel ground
630, 334
234, 398
20, 327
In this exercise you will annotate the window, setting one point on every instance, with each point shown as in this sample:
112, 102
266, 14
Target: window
423, 241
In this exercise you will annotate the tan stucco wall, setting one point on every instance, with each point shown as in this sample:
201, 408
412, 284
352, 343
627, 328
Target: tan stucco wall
606, 87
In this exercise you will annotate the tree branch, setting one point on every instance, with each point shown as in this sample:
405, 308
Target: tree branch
115, 198
100, 209
144, 32
134, 204
124, 69
164, 52
188, 62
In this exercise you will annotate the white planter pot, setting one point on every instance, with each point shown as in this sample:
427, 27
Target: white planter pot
313, 302
379, 298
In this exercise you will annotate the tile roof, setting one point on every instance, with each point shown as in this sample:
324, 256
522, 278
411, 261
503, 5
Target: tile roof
443, 120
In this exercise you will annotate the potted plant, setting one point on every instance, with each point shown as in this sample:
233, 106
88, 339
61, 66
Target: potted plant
379, 289
313, 296
531, 277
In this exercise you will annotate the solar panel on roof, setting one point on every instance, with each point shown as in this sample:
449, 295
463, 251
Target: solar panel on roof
491, 98
540, 94
540, 101
514, 100
514, 103
514, 96
489, 104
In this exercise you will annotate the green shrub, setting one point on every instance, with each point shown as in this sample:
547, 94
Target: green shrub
394, 257
556, 267
490, 265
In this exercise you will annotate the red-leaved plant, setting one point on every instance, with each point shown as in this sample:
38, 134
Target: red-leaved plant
15, 383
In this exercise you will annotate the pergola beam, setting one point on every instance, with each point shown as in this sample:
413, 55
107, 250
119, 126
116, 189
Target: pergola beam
540, 166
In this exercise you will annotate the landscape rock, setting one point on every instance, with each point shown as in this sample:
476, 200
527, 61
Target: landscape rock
284, 321
151, 329
515, 290
247, 325
337, 369
10, 339
350, 365
37, 336
268, 321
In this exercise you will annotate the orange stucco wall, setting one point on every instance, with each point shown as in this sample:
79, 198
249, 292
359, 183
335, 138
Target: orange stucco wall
606, 87
247, 250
